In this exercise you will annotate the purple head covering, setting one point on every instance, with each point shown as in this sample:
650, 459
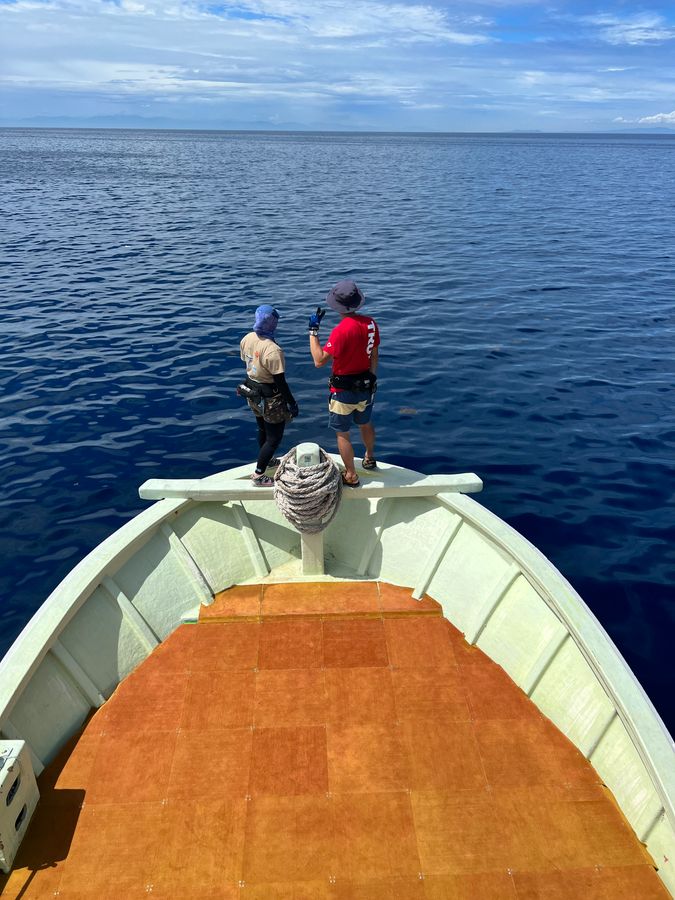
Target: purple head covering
266, 321
345, 296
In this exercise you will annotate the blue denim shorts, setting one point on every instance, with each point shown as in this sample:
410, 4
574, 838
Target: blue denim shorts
349, 407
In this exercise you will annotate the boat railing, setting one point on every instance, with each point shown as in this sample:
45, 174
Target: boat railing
205, 490
398, 485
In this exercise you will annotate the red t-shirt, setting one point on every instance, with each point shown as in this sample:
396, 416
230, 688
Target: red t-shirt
351, 344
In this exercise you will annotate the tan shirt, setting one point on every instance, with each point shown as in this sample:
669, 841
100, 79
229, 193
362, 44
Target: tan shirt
263, 357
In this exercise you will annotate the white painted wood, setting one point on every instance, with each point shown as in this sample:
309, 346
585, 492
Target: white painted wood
520, 629
312, 554
435, 556
11, 733
484, 612
203, 588
145, 633
384, 508
601, 732
571, 696
89, 690
544, 661
466, 576
19, 797
197, 489
619, 764
213, 535
311, 545
29, 649
649, 829
260, 565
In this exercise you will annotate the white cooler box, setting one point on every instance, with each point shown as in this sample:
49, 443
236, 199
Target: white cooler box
18, 798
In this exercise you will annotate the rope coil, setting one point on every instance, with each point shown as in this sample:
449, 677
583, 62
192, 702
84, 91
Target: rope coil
308, 496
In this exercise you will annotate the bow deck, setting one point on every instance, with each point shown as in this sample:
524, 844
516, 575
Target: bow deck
328, 740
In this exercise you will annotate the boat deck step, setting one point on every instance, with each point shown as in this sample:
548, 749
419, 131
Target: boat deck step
316, 600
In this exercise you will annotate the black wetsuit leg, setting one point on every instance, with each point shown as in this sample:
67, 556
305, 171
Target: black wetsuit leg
262, 434
269, 438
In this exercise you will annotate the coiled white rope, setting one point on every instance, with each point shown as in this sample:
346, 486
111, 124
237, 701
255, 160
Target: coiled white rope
308, 496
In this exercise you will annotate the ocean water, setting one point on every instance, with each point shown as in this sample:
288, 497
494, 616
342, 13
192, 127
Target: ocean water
524, 286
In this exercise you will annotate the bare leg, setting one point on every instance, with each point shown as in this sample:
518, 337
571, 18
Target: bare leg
368, 438
346, 451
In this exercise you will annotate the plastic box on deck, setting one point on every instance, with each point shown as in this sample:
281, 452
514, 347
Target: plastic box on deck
18, 798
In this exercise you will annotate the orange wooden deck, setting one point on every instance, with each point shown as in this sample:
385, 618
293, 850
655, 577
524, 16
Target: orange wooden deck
332, 742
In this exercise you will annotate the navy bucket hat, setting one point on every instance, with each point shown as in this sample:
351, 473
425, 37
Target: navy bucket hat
345, 296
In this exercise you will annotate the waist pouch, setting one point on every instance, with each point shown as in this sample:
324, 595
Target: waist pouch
362, 381
265, 400
256, 390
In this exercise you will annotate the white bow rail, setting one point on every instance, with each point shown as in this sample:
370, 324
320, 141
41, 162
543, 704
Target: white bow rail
242, 489
394, 482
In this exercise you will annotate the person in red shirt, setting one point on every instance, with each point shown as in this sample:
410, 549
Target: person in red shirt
353, 348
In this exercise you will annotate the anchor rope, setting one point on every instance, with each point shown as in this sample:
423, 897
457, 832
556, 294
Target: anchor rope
308, 496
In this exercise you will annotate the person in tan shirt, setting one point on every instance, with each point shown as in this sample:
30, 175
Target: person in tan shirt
271, 399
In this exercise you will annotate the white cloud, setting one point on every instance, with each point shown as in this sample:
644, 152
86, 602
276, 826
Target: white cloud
312, 61
273, 48
322, 19
643, 28
658, 119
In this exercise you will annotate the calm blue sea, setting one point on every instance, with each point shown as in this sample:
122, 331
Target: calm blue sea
524, 286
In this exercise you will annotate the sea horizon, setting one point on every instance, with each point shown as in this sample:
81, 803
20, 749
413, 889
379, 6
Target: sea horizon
627, 132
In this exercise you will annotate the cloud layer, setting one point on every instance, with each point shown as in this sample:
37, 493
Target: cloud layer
368, 64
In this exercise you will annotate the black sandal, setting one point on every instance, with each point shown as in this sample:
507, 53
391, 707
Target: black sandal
346, 483
369, 462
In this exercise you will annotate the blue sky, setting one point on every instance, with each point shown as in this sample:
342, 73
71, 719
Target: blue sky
359, 65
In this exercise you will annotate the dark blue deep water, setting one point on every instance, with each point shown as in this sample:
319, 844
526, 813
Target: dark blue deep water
524, 286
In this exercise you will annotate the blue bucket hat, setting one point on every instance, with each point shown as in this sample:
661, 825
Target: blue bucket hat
345, 296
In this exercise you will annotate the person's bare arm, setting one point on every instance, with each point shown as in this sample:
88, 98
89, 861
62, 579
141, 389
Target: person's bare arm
374, 356
319, 355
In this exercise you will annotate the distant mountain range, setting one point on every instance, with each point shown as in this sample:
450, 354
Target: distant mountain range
159, 123
150, 122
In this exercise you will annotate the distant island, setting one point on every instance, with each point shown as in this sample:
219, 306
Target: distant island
164, 124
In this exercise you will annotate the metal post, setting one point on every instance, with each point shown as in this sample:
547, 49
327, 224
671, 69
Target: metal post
311, 544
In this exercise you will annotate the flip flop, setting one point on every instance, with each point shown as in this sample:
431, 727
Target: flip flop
352, 484
369, 462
